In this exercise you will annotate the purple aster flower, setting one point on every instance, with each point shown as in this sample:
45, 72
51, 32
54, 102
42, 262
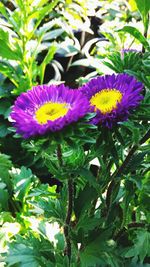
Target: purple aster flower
126, 50
129, 50
47, 109
112, 97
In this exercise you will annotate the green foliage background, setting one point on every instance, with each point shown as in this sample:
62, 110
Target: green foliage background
45, 42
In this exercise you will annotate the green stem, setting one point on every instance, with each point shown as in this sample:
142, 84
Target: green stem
67, 226
59, 154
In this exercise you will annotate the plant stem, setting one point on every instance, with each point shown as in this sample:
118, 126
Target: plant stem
59, 154
67, 226
123, 167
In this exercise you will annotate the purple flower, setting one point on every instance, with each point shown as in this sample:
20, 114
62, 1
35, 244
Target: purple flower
126, 50
47, 109
129, 50
112, 97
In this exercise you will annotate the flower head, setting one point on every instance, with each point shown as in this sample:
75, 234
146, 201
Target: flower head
129, 51
126, 50
47, 109
112, 97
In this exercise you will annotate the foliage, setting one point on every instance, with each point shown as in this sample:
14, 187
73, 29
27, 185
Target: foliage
19, 26
78, 197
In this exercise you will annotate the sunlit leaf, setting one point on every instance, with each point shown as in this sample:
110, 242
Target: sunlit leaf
144, 7
22, 183
48, 58
136, 34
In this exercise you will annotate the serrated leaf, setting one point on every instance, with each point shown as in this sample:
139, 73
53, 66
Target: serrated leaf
8, 50
44, 190
29, 251
141, 246
87, 223
100, 251
84, 199
135, 161
23, 255
52, 208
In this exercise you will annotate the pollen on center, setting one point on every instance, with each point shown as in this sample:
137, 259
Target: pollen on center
106, 100
51, 111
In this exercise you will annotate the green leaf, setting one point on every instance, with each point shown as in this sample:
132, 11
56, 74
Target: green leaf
22, 183
100, 251
135, 161
5, 109
144, 7
119, 137
4, 196
5, 166
9, 71
87, 223
3, 130
48, 58
43, 190
84, 199
7, 49
111, 66
39, 3
52, 208
82, 62
73, 157
136, 135
6, 217
141, 246
30, 251
91, 261
25, 256
136, 34
39, 14
53, 34
3, 10
135, 264
87, 174
133, 6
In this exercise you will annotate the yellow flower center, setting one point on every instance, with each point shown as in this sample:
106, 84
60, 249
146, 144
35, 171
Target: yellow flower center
51, 111
106, 100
